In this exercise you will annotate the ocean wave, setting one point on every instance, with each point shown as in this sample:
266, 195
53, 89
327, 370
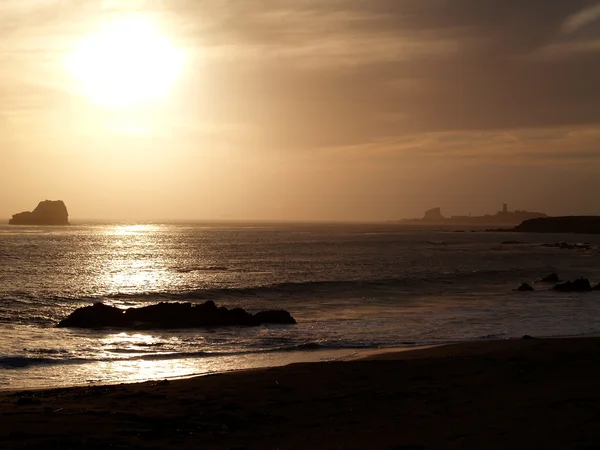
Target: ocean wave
16, 318
201, 269
54, 357
303, 290
47, 351
305, 346
20, 362
337, 287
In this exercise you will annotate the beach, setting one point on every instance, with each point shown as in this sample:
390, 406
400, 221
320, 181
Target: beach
497, 394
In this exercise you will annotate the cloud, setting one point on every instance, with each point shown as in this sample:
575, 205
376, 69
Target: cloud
581, 19
573, 146
327, 73
314, 74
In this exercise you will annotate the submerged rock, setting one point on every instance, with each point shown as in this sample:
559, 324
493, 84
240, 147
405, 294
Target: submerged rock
47, 212
552, 278
566, 246
524, 288
578, 285
170, 315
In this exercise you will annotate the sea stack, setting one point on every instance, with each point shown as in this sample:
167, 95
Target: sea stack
47, 212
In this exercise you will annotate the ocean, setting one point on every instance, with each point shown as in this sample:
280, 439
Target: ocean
351, 287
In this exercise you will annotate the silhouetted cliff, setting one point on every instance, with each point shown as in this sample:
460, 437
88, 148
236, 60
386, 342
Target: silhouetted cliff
506, 217
46, 213
566, 224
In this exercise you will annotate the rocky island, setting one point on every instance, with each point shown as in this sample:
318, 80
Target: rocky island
47, 212
171, 316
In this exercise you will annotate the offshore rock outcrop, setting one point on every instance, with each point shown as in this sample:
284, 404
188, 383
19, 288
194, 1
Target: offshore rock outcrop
47, 212
525, 288
170, 316
578, 285
552, 278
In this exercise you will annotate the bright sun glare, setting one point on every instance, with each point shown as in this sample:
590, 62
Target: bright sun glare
126, 63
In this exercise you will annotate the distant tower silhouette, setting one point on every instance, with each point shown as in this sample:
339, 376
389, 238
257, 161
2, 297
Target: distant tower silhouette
505, 208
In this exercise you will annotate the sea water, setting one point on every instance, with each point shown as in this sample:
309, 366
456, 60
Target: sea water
350, 287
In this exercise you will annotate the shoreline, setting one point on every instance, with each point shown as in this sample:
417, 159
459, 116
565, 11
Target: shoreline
268, 360
250, 361
510, 393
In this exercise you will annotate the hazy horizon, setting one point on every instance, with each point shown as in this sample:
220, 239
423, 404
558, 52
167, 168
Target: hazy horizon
282, 110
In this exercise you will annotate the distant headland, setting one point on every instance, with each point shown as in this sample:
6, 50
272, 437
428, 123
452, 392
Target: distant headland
566, 224
47, 212
434, 216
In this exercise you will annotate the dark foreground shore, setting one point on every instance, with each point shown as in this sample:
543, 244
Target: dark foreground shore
517, 394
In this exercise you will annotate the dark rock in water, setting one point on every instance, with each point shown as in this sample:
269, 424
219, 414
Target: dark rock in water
170, 315
567, 224
524, 288
96, 316
278, 316
567, 246
552, 278
579, 285
562, 245
527, 336
596, 288
46, 213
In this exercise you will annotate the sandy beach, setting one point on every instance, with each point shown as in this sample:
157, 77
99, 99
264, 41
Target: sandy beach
538, 393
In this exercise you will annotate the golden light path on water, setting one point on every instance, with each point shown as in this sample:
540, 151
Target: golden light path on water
141, 264
135, 263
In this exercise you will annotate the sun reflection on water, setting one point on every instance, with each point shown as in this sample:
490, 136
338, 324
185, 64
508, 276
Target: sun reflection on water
130, 342
135, 261
128, 230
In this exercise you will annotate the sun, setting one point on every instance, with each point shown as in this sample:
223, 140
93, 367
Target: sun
126, 63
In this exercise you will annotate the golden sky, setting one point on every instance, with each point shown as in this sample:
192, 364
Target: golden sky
299, 109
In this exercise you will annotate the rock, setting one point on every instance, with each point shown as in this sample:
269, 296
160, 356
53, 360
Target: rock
278, 316
579, 285
596, 288
566, 224
552, 278
96, 316
527, 336
170, 316
525, 288
567, 246
46, 213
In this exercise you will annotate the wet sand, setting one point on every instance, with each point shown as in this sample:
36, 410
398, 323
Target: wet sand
515, 394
